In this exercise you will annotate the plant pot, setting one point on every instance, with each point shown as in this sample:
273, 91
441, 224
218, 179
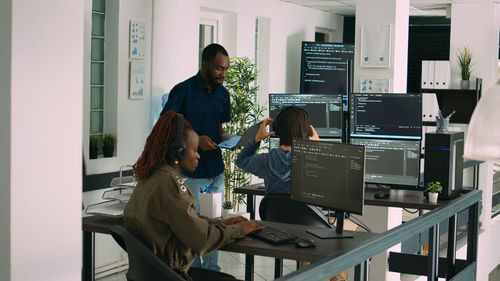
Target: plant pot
464, 84
433, 197
107, 151
226, 213
93, 152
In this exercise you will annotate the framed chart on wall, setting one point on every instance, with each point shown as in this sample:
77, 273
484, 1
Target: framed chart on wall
137, 69
375, 46
375, 85
137, 47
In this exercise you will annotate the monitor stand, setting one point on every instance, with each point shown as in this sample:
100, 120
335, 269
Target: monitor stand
330, 233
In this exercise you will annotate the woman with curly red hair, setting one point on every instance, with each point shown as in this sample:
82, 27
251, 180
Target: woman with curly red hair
162, 211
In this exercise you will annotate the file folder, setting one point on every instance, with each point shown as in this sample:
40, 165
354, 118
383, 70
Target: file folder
425, 75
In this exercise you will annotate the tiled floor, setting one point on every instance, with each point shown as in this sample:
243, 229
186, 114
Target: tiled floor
234, 264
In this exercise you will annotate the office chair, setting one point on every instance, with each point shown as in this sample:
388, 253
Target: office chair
143, 264
280, 208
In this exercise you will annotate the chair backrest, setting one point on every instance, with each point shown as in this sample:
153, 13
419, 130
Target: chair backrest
280, 208
143, 264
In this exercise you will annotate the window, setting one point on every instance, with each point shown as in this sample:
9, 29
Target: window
209, 32
97, 68
323, 35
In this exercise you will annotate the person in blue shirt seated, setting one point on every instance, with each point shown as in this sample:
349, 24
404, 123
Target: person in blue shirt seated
274, 167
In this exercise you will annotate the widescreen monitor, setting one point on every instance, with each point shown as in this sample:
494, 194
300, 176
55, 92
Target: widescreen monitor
329, 175
325, 111
324, 67
395, 163
386, 116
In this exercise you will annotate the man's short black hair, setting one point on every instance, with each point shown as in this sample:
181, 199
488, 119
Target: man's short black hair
293, 122
211, 51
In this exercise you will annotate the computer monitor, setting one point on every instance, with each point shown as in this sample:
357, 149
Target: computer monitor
274, 142
329, 175
324, 67
391, 162
325, 111
386, 116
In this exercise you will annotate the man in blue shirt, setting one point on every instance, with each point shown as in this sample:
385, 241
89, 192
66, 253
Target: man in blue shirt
205, 103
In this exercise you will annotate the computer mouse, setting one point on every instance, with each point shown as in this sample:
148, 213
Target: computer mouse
381, 195
304, 243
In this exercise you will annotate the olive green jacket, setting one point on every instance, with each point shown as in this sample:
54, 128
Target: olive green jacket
161, 212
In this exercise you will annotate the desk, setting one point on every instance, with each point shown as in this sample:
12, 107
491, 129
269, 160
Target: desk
398, 198
247, 245
90, 226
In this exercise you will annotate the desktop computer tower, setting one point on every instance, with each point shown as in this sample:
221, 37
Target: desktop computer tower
443, 162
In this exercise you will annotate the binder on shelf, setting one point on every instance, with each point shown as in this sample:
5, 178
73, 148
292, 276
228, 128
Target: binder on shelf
442, 75
431, 72
430, 107
425, 74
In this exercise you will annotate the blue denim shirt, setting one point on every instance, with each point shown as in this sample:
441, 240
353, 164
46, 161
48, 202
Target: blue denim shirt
274, 167
205, 111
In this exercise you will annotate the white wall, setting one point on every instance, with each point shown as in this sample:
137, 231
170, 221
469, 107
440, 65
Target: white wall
175, 46
129, 117
46, 140
481, 36
175, 49
5, 33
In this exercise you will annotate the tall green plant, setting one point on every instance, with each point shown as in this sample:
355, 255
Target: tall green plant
245, 112
464, 59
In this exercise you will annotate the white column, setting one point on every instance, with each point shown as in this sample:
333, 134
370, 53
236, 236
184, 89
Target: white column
46, 77
383, 12
475, 25
394, 13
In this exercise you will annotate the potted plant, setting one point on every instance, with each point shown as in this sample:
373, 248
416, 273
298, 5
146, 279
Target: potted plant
464, 59
433, 188
227, 208
93, 147
108, 144
245, 112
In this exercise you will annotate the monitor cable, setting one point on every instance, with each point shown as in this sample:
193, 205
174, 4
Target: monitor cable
358, 222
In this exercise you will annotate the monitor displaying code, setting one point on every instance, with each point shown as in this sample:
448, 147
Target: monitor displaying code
388, 115
328, 174
325, 111
324, 67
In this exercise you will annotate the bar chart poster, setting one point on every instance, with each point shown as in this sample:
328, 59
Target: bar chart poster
137, 39
137, 80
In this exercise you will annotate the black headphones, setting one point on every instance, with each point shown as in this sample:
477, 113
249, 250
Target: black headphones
275, 123
177, 148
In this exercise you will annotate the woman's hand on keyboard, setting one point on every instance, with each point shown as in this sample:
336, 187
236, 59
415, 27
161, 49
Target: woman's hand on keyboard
234, 220
250, 226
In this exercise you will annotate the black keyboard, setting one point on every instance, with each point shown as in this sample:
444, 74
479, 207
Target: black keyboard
273, 236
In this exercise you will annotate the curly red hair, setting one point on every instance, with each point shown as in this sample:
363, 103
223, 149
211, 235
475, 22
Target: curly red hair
163, 134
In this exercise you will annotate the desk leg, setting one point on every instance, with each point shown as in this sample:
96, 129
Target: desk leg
249, 267
251, 205
88, 270
361, 271
278, 268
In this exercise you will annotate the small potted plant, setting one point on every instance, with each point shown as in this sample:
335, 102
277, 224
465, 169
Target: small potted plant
108, 144
227, 208
433, 188
93, 147
464, 59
